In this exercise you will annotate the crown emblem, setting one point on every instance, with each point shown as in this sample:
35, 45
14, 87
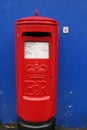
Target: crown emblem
36, 70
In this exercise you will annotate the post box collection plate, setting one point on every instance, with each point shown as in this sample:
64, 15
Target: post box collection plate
36, 50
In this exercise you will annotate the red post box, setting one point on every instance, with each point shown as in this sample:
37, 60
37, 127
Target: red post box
36, 68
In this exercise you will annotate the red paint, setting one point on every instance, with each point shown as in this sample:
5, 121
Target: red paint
36, 78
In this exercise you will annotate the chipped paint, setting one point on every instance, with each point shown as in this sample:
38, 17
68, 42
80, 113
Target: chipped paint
69, 106
70, 92
1, 92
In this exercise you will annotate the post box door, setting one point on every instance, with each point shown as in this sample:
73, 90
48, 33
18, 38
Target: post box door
37, 85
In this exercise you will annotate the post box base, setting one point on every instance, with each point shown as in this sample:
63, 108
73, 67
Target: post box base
48, 125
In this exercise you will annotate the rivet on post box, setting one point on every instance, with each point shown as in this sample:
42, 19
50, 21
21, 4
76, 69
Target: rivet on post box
36, 72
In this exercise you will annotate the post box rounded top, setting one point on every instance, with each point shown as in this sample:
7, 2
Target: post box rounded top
36, 20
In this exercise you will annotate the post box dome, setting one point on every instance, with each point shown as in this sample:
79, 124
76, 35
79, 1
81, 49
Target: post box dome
36, 20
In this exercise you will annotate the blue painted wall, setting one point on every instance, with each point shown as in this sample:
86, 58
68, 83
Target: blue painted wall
72, 77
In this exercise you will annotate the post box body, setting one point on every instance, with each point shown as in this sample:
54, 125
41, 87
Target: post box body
36, 68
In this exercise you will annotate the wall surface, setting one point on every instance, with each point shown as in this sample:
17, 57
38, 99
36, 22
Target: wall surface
72, 66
